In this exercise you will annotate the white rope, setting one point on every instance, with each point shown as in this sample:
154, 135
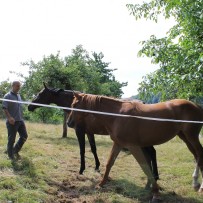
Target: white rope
102, 113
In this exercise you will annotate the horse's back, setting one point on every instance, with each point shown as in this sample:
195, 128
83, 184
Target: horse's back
178, 107
188, 109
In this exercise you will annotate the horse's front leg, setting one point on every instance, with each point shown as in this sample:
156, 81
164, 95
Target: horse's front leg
113, 155
80, 132
94, 150
139, 155
195, 176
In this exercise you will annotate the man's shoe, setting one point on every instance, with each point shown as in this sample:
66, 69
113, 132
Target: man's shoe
17, 155
11, 157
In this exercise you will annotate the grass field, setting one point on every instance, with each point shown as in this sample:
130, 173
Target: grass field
48, 171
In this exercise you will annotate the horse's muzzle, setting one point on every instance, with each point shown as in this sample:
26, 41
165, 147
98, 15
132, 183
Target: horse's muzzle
31, 107
71, 123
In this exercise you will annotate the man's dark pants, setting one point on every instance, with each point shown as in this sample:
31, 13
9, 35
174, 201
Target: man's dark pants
19, 127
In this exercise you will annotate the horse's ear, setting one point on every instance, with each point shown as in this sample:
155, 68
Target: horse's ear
45, 85
76, 95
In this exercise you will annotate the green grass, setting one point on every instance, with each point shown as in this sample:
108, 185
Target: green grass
48, 171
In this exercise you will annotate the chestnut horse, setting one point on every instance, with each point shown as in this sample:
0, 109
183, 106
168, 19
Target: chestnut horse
64, 98
133, 133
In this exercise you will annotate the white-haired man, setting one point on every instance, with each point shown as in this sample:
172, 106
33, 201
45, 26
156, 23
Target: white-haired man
14, 121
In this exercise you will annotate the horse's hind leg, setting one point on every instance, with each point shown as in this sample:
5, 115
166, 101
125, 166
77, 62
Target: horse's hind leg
194, 141
200, 162
137, 152
150, 154
154, 162
113, 155
195, 175
94, 150
148, 159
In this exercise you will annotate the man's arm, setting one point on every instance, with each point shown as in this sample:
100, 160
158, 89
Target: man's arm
5, 105
11, 120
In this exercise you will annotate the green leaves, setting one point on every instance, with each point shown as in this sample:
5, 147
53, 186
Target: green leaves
179, 54
79, 71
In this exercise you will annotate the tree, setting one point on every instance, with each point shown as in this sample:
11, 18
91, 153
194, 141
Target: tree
179, 54
79, 71
5, 86
90, 74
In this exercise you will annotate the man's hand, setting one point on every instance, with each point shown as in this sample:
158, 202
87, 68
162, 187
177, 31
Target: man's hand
11, 120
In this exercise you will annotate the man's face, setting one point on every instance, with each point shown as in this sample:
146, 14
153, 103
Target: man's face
16, 87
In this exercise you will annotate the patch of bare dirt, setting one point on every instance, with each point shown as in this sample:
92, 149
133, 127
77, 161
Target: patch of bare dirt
71, 190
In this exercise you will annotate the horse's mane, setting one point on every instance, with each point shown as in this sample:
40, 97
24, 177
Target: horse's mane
59, 90
92, 100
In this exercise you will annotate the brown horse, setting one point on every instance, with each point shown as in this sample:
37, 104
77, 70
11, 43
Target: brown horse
133, 133
65, 98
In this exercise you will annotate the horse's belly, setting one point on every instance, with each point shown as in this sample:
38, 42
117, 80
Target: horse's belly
147, 133
96, 129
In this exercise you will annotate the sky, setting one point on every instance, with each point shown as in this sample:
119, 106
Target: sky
31, 29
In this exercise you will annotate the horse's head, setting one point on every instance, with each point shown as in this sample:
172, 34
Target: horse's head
45, 96
76, 117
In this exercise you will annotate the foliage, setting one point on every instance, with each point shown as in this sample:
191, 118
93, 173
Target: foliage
79, 71
90, 74
5, 86
151, 99
179, 54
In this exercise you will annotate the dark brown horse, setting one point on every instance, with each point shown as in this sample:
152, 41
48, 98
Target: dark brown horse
133, 133
64, 98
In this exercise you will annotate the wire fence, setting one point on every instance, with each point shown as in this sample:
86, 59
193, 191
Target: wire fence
104, 113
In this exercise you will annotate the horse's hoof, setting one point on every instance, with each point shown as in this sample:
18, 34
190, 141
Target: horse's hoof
81, 171
155, 200
97, 169
196, 187
200, 190
99, 186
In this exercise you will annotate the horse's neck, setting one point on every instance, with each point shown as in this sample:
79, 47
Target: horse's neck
63, 99
106, 104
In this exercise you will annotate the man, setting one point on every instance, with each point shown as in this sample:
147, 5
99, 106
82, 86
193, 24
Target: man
14, 122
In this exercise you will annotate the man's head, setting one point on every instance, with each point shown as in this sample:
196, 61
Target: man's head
15, 86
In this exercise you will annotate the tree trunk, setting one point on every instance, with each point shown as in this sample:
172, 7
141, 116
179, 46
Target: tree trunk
65, 128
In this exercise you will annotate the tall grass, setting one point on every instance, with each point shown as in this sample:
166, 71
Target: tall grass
48, 171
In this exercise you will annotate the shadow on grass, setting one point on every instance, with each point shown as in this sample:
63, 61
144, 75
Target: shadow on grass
71, 140
130, 190
24, 166
69, 189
